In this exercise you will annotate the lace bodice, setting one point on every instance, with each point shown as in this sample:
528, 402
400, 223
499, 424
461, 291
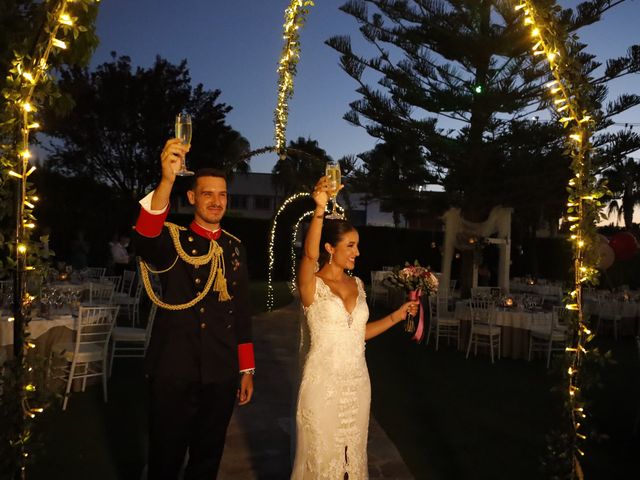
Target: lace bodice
335, 333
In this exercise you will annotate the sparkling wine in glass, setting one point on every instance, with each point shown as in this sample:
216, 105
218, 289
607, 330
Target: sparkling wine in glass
332, 171
183, 132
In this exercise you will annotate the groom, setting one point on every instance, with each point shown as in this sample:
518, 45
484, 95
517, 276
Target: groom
200, 357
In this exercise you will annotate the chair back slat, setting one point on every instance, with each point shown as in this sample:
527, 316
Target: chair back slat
101, 293
128, 279
94, 273
95, 325
482, 309
150, 319
115, 279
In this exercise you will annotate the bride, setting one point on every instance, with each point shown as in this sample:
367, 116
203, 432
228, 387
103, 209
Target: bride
332, 415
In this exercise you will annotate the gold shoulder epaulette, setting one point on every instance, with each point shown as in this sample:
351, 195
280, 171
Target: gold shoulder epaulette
232, 236
173, 225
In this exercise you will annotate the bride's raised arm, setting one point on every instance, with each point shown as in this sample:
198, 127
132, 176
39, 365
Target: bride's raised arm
311, 253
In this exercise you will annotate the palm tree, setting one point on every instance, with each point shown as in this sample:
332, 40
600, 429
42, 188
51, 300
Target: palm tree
623, 180
300, 169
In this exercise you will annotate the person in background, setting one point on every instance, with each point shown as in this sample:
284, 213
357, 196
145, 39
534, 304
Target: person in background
79, 251
119, 254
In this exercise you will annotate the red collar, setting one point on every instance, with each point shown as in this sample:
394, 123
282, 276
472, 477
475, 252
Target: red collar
203, 232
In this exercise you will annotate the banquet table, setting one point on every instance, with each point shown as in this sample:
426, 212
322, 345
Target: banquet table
515, 326
628, 310
43, 332
547, 290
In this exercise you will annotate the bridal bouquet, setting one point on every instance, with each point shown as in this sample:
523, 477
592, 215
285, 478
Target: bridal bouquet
414, 277
416, 281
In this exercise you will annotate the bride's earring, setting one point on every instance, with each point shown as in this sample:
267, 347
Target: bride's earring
330, 258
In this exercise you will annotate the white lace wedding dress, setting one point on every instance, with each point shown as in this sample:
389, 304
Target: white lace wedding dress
332, 415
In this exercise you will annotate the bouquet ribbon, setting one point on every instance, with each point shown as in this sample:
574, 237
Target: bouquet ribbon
419, 333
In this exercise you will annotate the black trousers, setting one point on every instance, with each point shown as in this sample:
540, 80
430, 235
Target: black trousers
188, 415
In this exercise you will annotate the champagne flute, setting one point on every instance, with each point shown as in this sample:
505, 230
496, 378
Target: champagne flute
183, 132
332, 171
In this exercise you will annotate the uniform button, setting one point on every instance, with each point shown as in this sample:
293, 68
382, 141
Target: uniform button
229, 326
198, 293
203, 325
196, 266
198, 281
190, 239
201, 309
234, 283
194, 251
230, 312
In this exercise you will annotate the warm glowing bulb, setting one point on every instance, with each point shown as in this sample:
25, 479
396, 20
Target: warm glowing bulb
22, 248
59, 43
28, 77
65, 19
551, 56
528, 21
29, 204
27, 107
576, 137
535, 32
25, 154
33, 125
14, 174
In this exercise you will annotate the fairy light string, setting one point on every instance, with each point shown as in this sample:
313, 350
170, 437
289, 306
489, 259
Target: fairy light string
272, 239
294, 18
294, 236
28, 75
569, 97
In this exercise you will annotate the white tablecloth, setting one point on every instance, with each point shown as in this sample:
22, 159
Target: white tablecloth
612, 307
510, 318
36, 328
546, 290
515, 327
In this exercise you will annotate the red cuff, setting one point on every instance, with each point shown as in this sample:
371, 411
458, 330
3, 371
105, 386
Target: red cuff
245, 356
150, 225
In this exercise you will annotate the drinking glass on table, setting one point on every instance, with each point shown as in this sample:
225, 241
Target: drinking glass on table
332, 171
183, 132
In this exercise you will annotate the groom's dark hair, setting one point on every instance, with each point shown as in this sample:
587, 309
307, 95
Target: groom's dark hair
332, 232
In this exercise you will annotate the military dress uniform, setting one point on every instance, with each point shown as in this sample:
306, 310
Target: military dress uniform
195, 354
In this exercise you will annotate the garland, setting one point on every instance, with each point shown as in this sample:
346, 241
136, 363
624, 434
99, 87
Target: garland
294, 17
570, 92
28, 84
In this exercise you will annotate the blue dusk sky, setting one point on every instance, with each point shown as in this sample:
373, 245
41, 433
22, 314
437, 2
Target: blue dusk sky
234, 46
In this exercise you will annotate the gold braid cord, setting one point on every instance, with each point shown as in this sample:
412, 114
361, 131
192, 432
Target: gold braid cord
216, 274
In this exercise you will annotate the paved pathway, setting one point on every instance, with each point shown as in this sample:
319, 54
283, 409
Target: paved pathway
258, 440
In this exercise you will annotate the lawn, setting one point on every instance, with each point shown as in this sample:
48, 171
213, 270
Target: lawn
453, 418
